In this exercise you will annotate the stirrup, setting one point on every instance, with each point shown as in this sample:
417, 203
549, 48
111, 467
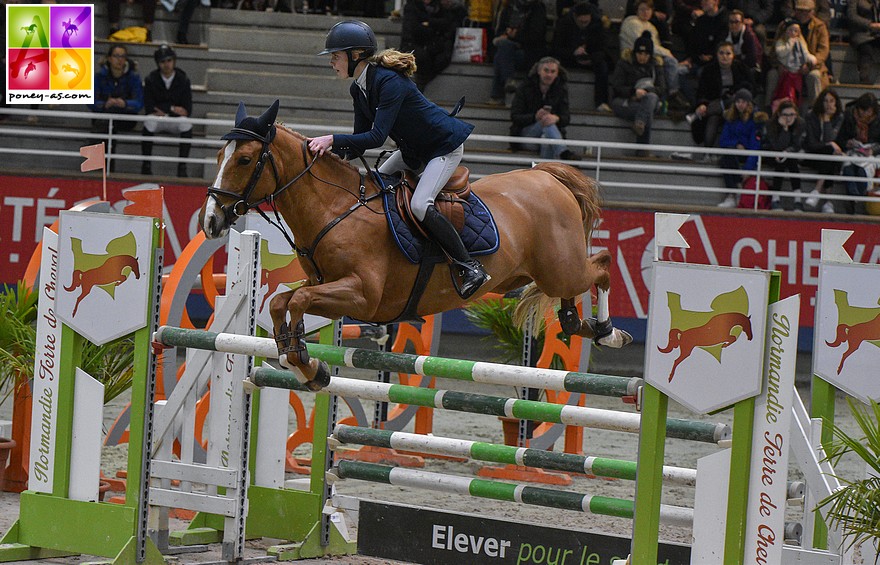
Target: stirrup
473, 276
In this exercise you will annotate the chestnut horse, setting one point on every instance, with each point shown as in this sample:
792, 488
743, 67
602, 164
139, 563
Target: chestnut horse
717, 331
544, 218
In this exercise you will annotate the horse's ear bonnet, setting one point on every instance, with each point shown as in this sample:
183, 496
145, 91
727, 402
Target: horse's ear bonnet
247, 127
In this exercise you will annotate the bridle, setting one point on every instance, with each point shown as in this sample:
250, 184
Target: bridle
241, 201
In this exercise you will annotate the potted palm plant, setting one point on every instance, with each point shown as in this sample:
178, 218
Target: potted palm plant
855, 507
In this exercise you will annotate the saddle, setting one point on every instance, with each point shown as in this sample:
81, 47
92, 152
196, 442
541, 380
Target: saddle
450, 202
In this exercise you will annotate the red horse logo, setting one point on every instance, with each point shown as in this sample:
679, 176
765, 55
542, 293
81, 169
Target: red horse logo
855, 326
718, 331
113, 272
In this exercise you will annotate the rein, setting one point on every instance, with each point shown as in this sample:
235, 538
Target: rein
241, 206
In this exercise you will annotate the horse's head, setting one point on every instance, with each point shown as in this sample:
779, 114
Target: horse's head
240, 184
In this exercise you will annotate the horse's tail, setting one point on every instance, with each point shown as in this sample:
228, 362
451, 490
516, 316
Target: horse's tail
674, 338
532, 305
585, 190
842, 334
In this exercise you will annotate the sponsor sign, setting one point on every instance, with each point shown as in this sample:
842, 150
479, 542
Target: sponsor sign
706, 334
49, 54
765, 518
104, 270
46, 367
846, 343
434, 537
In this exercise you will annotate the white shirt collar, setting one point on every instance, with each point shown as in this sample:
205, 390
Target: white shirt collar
361, 80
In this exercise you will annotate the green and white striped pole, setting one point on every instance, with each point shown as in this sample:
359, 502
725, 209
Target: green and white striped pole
522, 456
475, 371
496, 490
596, 418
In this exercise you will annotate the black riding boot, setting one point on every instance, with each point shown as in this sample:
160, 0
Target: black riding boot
183, 153
444, 233
147, 151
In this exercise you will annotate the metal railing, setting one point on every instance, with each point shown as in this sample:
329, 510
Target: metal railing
603, 158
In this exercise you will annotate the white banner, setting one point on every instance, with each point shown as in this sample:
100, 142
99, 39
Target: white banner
768, 477
45, 387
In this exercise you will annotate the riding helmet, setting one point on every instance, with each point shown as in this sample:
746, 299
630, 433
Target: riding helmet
350, 34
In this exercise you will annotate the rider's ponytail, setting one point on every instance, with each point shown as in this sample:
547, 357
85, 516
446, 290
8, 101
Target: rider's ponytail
403, 63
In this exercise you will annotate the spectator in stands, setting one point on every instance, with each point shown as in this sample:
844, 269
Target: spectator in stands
785, 132
720, 80
118, 90
637, 86
168, 104
742, 126
792, 56
149, 12
758, 14
864, 36
660, 18
686, 13
815, 33
540, 109
580, 41
632, 29
709, 28
186, 13
520, 40
429, 33
859, 137
821, 8
746, 45
822, 127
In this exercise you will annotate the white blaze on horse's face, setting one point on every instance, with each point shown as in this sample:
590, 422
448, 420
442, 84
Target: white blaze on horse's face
215, 223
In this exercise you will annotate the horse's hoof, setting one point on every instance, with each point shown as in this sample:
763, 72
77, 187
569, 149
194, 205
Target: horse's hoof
321, 378
616, 339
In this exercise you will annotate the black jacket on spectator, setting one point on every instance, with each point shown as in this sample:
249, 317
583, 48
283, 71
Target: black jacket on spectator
529, 99
813, 140
849, 131
706, 33
711, 87
567, 37
777, 139
157, 96
529, 18
428, 31
760, 11
628, 72
861, 13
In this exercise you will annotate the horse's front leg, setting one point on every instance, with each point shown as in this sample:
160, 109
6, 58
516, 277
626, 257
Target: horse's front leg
599, 329
332, 300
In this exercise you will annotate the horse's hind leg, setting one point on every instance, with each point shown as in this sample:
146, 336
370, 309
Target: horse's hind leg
599, 329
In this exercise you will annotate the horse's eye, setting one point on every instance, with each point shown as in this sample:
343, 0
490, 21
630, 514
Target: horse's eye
244, 161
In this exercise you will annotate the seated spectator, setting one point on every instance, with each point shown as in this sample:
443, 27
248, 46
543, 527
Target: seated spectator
822, 127
637, 86
579, 41
741, 130
822, 8
118, 90
149, 12
785, 132
792, 56
720, 80
428, 32
746, 45
708, 30
859, 137
168, 103
632, 29
864, 36
660, 18
540, 109
686, 13
815, 33
520, 40
758, 14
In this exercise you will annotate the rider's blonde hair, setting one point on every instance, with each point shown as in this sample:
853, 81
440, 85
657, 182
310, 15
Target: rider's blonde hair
403, 63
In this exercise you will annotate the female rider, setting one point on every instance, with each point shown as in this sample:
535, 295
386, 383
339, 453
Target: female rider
388, 104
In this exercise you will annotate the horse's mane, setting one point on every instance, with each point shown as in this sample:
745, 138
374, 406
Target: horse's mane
300, 138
